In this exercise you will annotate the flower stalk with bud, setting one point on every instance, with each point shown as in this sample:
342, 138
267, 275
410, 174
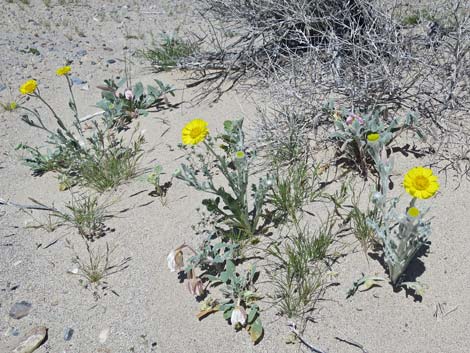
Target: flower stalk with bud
352, 131
99, 159
231, 206
402, 232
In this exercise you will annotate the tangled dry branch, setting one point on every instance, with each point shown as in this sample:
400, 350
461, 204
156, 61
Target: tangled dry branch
363, 54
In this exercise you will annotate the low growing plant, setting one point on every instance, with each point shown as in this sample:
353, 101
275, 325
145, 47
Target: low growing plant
100, 159
402, 231
300, 266
352, 129
98, 265
293, 188
167, 54
123, 103
360, 223
236, 204
154, 178
86, 214
238, 304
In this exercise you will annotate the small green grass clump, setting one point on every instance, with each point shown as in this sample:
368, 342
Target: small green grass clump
86, 214
166, 54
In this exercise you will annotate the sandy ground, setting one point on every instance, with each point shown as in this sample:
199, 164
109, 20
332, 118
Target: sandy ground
152, 312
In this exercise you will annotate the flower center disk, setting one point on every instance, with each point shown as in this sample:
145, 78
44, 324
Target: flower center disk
421, 182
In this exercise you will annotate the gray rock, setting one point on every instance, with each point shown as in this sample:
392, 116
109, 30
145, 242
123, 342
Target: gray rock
77, 81
82, 52
20, 310
2, 87
12, 331
110, 61
36, 337
68, 333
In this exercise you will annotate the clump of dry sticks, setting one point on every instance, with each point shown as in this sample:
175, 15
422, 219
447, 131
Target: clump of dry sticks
365, 55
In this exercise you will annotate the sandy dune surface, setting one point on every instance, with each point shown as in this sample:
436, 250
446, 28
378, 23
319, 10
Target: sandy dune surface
145, 308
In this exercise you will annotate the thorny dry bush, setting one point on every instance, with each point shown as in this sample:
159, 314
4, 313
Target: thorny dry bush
365, 55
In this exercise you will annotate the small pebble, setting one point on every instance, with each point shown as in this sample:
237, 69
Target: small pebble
12, 331
20, 310
77, 81
111, 61
82, 52
68, 333
104, 335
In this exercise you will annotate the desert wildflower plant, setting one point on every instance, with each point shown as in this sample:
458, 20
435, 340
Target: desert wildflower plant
123, 102
232, 159
401, 231
232, 224
353, 133
99, 158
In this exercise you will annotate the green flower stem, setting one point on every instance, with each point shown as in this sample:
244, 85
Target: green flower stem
239, 190
59, 121
43, 127
222, 166
74, 109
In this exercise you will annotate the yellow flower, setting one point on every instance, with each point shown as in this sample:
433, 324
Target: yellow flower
64, 70
194, 132
413, 212
373, 137
420, 182
28, 87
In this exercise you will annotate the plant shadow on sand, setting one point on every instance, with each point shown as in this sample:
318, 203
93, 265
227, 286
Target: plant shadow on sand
414, 270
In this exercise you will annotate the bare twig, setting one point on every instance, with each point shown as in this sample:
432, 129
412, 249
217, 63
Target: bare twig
309, 346
352, 343
91, 116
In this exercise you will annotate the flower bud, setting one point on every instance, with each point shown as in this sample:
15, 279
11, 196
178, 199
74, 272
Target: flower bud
128, 94
195, 286
239, 316
175, 260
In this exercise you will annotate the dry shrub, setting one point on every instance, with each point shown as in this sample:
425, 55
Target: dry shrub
363, 54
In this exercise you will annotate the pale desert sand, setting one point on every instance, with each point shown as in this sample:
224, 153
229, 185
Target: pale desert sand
153, 312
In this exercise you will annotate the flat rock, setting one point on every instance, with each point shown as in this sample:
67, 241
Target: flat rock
36, 337
68, 333
76, 81
12, 331
20, 310
104, 335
